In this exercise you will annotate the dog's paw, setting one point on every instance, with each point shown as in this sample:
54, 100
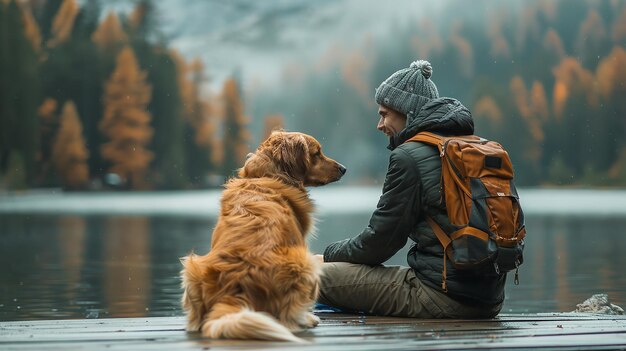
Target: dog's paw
311, 320
193, 326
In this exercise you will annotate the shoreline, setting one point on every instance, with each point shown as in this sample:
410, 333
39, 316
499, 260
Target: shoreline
329, 200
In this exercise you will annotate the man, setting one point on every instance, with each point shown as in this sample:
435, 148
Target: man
354, 278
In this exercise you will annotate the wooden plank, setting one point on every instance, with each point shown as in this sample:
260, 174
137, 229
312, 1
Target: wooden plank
336, 332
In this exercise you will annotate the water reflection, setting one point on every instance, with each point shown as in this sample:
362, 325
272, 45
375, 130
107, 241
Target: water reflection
126, 263
112, 266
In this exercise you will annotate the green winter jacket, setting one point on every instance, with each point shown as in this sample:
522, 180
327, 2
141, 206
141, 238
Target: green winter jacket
411, 190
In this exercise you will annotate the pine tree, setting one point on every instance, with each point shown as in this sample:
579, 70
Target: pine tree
74, 69
199, 136
45, 12
168, 167
109, 36
610, 78
272, 123
235, 134
63, 23
69, 152
126, 121
31, 29
575, 106
19, 95
48, 128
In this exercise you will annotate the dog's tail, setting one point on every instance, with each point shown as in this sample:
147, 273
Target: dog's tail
245, 324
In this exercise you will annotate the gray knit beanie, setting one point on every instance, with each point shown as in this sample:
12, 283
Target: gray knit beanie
407, 90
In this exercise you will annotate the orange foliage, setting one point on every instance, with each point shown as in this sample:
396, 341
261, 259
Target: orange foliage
184, 84
619, 28
465, 51
552, 43
196, 108
526, 108
538, 101
63, 22
48, 126
126, 121
619, 166
559, 97
488, 108
202, 119
31, 29
518, 90
69, 153
272, 123
611, 74
137, 16
528, 28
591, 33
47, 109
234, 115
572, 80
109, 33
499, 45
354, 70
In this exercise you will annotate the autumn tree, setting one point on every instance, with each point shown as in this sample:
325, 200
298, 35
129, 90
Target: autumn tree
610, 77
168, 165
73, 69
69, 153
126, 121
592, 39
488, 117
199, 133
44, 13
272, 123
235, 134
63, 23
31, 29
48, 127
575, 106
19, 96
109, 36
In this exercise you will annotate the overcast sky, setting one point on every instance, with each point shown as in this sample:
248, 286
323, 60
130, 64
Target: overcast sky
257, 38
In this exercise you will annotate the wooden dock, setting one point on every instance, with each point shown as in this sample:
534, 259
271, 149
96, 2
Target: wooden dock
552, 331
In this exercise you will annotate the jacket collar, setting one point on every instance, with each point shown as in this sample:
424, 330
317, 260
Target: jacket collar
445, 116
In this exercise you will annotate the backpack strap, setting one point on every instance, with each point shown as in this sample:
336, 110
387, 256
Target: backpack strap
429, 138
445, 242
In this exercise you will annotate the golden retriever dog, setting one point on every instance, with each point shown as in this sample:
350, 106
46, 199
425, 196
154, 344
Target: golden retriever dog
259, 280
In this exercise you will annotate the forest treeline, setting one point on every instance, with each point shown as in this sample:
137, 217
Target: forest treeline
545, 78
89, 100
87, 103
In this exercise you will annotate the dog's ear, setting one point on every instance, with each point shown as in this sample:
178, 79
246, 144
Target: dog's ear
257, 165
291, 154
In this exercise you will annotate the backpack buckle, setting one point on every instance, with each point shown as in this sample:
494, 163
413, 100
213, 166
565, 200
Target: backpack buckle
497, 268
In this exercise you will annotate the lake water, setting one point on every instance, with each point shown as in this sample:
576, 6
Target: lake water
58, 263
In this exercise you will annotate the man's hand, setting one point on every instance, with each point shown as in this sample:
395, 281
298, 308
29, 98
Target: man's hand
320, 258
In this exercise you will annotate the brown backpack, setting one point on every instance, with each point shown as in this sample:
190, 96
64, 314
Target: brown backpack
482, 204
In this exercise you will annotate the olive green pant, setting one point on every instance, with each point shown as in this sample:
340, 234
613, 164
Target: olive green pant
390, 291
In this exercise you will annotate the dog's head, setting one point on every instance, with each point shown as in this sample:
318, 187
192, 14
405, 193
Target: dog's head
294, 157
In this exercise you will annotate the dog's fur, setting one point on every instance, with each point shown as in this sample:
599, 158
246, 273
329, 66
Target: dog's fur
259, 281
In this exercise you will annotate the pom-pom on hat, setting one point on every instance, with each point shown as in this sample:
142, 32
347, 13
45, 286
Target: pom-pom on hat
407, 90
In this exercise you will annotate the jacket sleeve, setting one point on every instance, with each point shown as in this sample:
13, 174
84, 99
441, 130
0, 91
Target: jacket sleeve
391, 222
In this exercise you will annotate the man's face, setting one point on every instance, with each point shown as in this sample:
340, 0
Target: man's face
391, 121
